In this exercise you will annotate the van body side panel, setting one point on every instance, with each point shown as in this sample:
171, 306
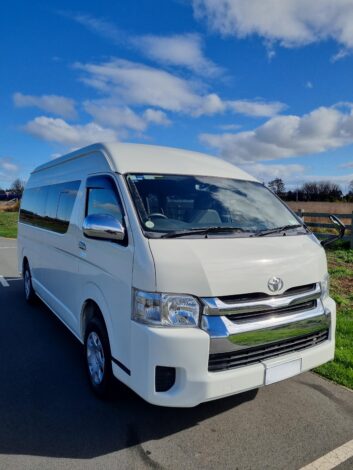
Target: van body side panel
105, 269
54, 257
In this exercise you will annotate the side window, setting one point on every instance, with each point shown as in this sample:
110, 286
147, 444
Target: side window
33, 206
66, 200
49, 207
103, 198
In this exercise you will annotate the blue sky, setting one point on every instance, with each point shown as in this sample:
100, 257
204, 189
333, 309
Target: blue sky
265, 84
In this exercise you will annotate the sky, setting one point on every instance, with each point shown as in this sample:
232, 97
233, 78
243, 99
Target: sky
264, 84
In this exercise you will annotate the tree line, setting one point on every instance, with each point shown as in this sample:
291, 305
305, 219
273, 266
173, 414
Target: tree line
14, 191
324, 191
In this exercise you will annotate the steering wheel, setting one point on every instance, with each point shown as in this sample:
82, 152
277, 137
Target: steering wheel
159, 215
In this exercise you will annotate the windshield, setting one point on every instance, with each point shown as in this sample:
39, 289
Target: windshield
175, 203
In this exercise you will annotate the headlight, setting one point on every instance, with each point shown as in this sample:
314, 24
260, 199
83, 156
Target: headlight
165, 309
325, 287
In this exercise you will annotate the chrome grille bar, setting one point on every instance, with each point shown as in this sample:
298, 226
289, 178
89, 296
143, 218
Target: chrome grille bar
215, 306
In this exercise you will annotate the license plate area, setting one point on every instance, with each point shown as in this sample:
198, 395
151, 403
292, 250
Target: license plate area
283, 370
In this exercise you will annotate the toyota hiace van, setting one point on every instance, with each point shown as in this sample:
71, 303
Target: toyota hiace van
184, 277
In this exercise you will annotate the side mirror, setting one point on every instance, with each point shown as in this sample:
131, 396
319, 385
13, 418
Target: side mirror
104, 227
341, 228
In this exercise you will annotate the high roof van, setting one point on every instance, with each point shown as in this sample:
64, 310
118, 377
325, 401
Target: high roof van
184, 277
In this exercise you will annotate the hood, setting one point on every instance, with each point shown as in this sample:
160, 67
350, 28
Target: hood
229, 266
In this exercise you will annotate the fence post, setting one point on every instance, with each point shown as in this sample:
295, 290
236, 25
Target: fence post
352, 231
301, 214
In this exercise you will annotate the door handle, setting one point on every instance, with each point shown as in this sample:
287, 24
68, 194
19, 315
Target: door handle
82, 246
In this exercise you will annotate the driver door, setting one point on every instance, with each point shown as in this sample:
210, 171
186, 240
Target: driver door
105, 266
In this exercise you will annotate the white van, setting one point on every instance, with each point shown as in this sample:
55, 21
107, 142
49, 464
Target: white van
183, 276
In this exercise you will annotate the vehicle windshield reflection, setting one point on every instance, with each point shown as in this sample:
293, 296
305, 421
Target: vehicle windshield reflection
179, 204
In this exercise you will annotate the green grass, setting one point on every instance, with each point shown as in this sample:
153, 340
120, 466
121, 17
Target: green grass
8, 224
340, 369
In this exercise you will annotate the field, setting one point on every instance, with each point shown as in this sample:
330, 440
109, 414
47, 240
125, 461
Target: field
341, 270
328, 207
331, 207
8, 224
8, 218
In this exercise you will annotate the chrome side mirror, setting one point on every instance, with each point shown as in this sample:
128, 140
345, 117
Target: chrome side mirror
104, 227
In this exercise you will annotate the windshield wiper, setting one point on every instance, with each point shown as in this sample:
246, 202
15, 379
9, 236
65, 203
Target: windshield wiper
263, 233
201, 231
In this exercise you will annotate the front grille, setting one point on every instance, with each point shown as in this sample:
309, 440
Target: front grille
244, 357
256, 296
290, 310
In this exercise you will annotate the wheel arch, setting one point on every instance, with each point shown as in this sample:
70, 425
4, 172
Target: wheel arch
94, 304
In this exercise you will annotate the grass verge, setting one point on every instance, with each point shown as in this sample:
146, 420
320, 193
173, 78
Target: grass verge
8, 224
340, 370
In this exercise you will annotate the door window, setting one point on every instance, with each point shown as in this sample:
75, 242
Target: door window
103, 198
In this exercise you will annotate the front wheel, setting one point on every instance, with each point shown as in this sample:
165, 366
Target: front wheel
30, 294
98, 358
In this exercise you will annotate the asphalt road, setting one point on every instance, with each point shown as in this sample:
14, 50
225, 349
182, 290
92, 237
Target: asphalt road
50, 419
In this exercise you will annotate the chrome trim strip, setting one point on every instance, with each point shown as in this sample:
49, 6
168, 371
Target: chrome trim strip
215, 306
221, 326
224, 339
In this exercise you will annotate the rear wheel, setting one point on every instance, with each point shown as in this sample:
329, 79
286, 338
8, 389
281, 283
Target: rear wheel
30, 294
98, 358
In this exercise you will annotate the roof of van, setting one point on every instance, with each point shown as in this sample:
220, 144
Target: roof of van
139, 158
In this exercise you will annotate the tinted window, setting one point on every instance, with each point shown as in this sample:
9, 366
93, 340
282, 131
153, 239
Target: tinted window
66, 200
103, 201
103, 198
49, 207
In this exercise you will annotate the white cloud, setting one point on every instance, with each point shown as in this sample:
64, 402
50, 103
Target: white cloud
309, 84
137, 84
132, 83
286, 136
54, 104
156, 116
100, 26
184, 50
208, 105
265, 172
341, 54
256, 108
7, 164
58, 130
107, 113
8, 169
114, 116
291, 23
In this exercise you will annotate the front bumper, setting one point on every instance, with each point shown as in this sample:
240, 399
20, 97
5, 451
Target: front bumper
188, 351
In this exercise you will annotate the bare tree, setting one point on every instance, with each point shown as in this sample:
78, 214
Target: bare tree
321, 191
277, 186
18, 187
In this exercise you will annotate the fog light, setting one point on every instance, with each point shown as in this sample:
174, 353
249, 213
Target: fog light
165, 378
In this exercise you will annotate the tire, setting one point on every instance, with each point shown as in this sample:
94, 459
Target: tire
98, 358
29, 292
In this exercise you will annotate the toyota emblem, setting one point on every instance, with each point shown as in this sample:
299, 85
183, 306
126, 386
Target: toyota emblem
275, 284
